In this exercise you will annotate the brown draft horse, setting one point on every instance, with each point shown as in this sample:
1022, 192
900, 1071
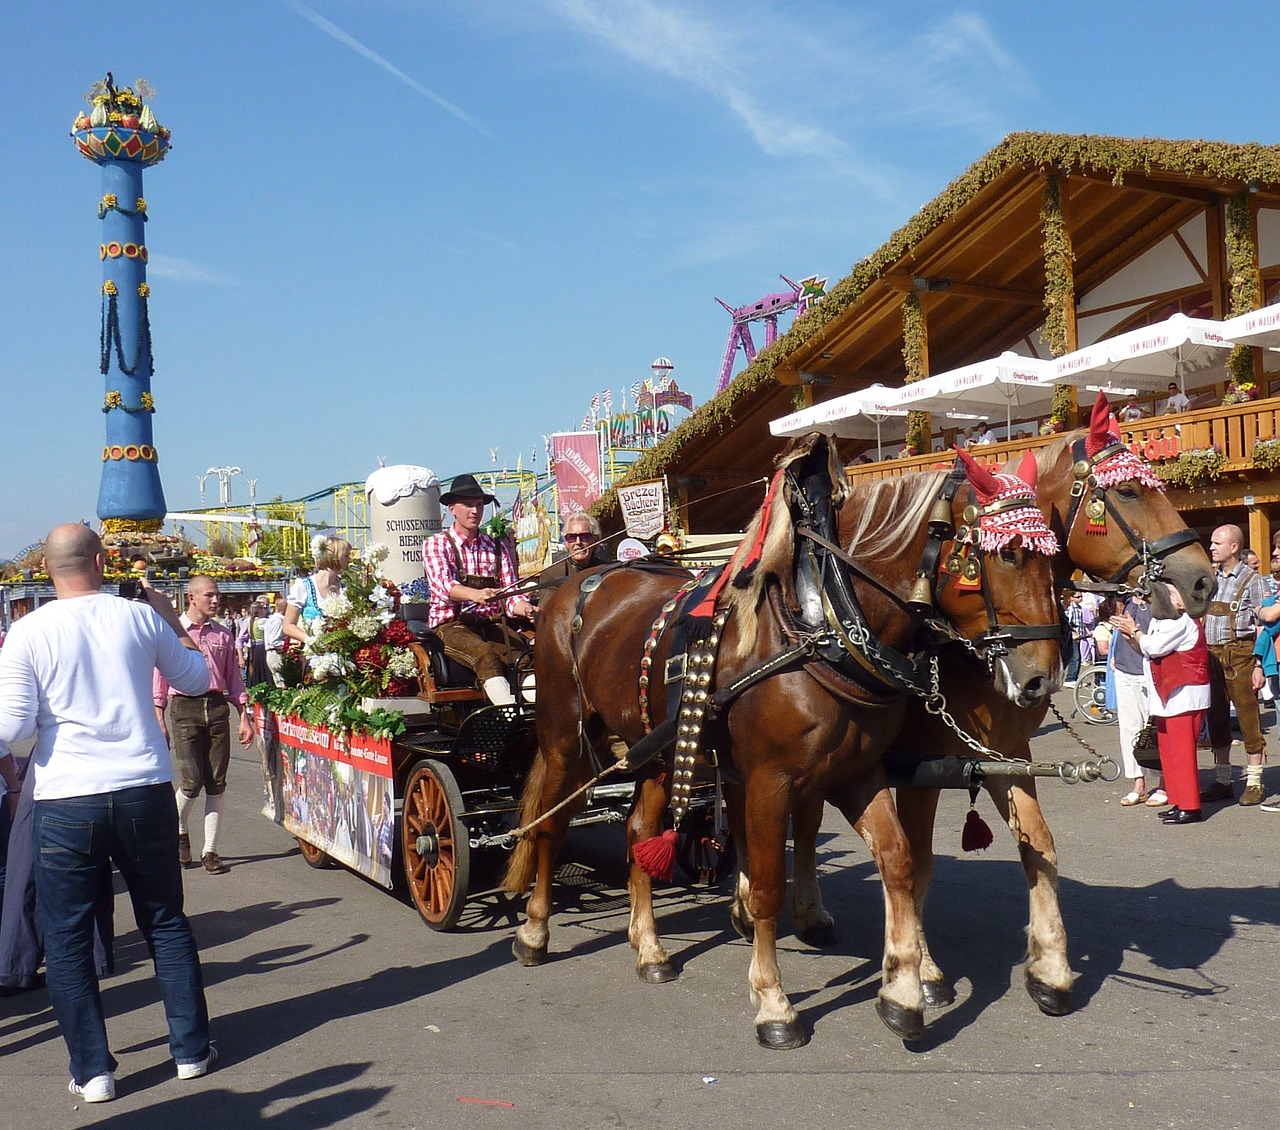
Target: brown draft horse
790, 738
1081, 468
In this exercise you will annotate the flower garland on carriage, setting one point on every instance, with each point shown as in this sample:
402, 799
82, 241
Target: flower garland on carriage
357, 652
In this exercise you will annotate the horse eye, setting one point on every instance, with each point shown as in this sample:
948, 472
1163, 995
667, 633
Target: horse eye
1127, 492
1009, 556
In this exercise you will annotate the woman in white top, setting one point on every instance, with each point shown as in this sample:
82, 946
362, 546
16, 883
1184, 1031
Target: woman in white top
306, 594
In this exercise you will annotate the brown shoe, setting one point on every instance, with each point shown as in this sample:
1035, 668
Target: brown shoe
184, 849
1219, 790
1252, 794
213, 864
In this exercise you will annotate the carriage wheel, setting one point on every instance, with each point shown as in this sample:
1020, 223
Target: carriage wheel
1091, 696
314, 856
435, 844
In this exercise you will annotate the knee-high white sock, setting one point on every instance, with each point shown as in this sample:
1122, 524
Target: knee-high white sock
213, 806
498, 691
185, 804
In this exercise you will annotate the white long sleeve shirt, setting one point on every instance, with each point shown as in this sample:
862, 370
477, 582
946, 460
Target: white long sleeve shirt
1164, 637
76, 673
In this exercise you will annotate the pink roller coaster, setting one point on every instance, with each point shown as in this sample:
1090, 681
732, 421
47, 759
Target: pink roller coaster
799, 297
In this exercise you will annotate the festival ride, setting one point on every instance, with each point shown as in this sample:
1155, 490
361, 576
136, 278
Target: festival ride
1115, 525
790, 675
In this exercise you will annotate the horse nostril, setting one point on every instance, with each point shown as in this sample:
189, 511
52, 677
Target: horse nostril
1035, 690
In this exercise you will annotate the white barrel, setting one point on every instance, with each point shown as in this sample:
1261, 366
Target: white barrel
404, 510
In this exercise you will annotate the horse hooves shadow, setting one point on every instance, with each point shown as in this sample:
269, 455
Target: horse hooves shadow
526, 954
1050, 1001
820, 937
937, 994
657, 973
905, 1023
781, 1035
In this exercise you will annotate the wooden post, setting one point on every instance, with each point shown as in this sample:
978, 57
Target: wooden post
1260, 537
1215, 238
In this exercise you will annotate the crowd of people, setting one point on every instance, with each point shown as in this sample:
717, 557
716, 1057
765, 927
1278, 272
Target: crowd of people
1187, 678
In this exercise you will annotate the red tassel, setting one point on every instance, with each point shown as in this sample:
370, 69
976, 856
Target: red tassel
976, 835
657, 857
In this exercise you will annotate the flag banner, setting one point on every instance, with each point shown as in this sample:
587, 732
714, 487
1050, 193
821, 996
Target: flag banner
575, 463
644, 507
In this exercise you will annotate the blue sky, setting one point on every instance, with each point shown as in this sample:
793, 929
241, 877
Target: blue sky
422, 229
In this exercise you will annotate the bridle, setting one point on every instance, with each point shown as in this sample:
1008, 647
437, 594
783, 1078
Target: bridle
1149, 555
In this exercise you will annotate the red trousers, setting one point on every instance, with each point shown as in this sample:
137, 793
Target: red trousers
1176, 737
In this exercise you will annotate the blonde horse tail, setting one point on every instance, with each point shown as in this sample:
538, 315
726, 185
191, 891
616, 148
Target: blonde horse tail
523, 865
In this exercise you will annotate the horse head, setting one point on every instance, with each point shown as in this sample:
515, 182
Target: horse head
1114, 521
997, 587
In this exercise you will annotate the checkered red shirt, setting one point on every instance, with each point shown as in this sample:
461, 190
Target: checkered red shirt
480, 557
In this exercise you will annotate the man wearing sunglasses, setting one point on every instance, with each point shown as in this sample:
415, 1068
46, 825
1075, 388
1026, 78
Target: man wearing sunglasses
582, 551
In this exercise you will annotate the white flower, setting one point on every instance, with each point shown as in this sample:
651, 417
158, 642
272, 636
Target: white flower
328, 664
377, 553
317, 545
402, 663
365, 625
336, 606
380, 598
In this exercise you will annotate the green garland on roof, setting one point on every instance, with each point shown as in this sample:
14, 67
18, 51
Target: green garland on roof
1059, 279
913, 337
1116, 156
1242, 266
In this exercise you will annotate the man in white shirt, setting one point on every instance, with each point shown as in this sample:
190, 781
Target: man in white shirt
1178, 400
984, 434
274, 641
76, 673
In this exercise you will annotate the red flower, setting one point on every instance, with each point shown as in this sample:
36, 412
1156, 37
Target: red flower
398, 687
370, 656
396, 633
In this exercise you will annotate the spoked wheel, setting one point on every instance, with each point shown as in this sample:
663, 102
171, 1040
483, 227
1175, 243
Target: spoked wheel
314, 856
436, 845
1091, 696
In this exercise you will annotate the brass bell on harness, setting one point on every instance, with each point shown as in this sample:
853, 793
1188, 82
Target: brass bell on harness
920, 599
940, 522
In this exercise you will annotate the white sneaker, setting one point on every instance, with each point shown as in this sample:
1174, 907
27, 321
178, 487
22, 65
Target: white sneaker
200, 1067
1271, 804
99, 1089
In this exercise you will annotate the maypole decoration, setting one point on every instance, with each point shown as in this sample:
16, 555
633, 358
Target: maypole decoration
121, 135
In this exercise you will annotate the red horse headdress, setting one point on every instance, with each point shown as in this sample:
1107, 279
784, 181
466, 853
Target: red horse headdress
1008, 509
1121, 466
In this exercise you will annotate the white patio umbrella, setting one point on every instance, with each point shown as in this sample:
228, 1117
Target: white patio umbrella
1182, 349
989, 389
856, 415
1257, 327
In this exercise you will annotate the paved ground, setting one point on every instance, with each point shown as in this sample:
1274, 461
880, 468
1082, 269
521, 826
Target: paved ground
334, 1006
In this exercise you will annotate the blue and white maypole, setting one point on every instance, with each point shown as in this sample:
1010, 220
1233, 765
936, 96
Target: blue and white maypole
121, 135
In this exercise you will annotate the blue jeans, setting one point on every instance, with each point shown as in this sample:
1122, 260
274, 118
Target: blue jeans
76, 841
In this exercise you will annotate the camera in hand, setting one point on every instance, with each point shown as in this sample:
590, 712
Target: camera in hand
131, 590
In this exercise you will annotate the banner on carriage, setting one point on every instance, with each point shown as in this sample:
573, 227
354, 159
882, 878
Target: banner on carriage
334, 791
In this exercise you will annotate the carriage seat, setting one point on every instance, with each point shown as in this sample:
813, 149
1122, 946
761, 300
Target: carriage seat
442, 679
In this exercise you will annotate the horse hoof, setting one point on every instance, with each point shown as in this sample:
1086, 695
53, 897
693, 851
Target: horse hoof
1050, 1001
937, 994
526, 954
818, 936
905, 1023
657, 973
781, 1035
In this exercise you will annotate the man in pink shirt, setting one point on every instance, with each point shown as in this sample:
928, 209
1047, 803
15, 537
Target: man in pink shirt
201, 730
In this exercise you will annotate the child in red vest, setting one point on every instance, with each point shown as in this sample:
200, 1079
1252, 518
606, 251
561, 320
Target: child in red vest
1178, 691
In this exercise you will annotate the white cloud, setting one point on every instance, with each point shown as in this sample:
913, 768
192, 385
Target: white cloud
335, 32
186, 270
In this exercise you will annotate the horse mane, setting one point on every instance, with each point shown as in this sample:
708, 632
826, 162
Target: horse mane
772, 531
885, 515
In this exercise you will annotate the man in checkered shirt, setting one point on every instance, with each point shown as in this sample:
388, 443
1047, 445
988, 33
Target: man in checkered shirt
1235, 674
466, 570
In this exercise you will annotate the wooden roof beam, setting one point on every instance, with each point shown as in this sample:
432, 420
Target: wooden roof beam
909, 284
1143, 183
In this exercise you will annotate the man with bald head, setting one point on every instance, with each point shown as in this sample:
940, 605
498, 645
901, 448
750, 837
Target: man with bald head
200, 725
76, 674
1235, 674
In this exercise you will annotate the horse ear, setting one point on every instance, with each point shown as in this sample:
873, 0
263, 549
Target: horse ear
1028, 469
984, 481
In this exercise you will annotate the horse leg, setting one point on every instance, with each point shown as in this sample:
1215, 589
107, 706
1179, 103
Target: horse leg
653, 964
777, 1025
917, 809
814, 925
1049, 976
532, 936
900, 1002
739, 911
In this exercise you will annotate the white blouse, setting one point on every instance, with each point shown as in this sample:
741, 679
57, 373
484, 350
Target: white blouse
1162, 638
